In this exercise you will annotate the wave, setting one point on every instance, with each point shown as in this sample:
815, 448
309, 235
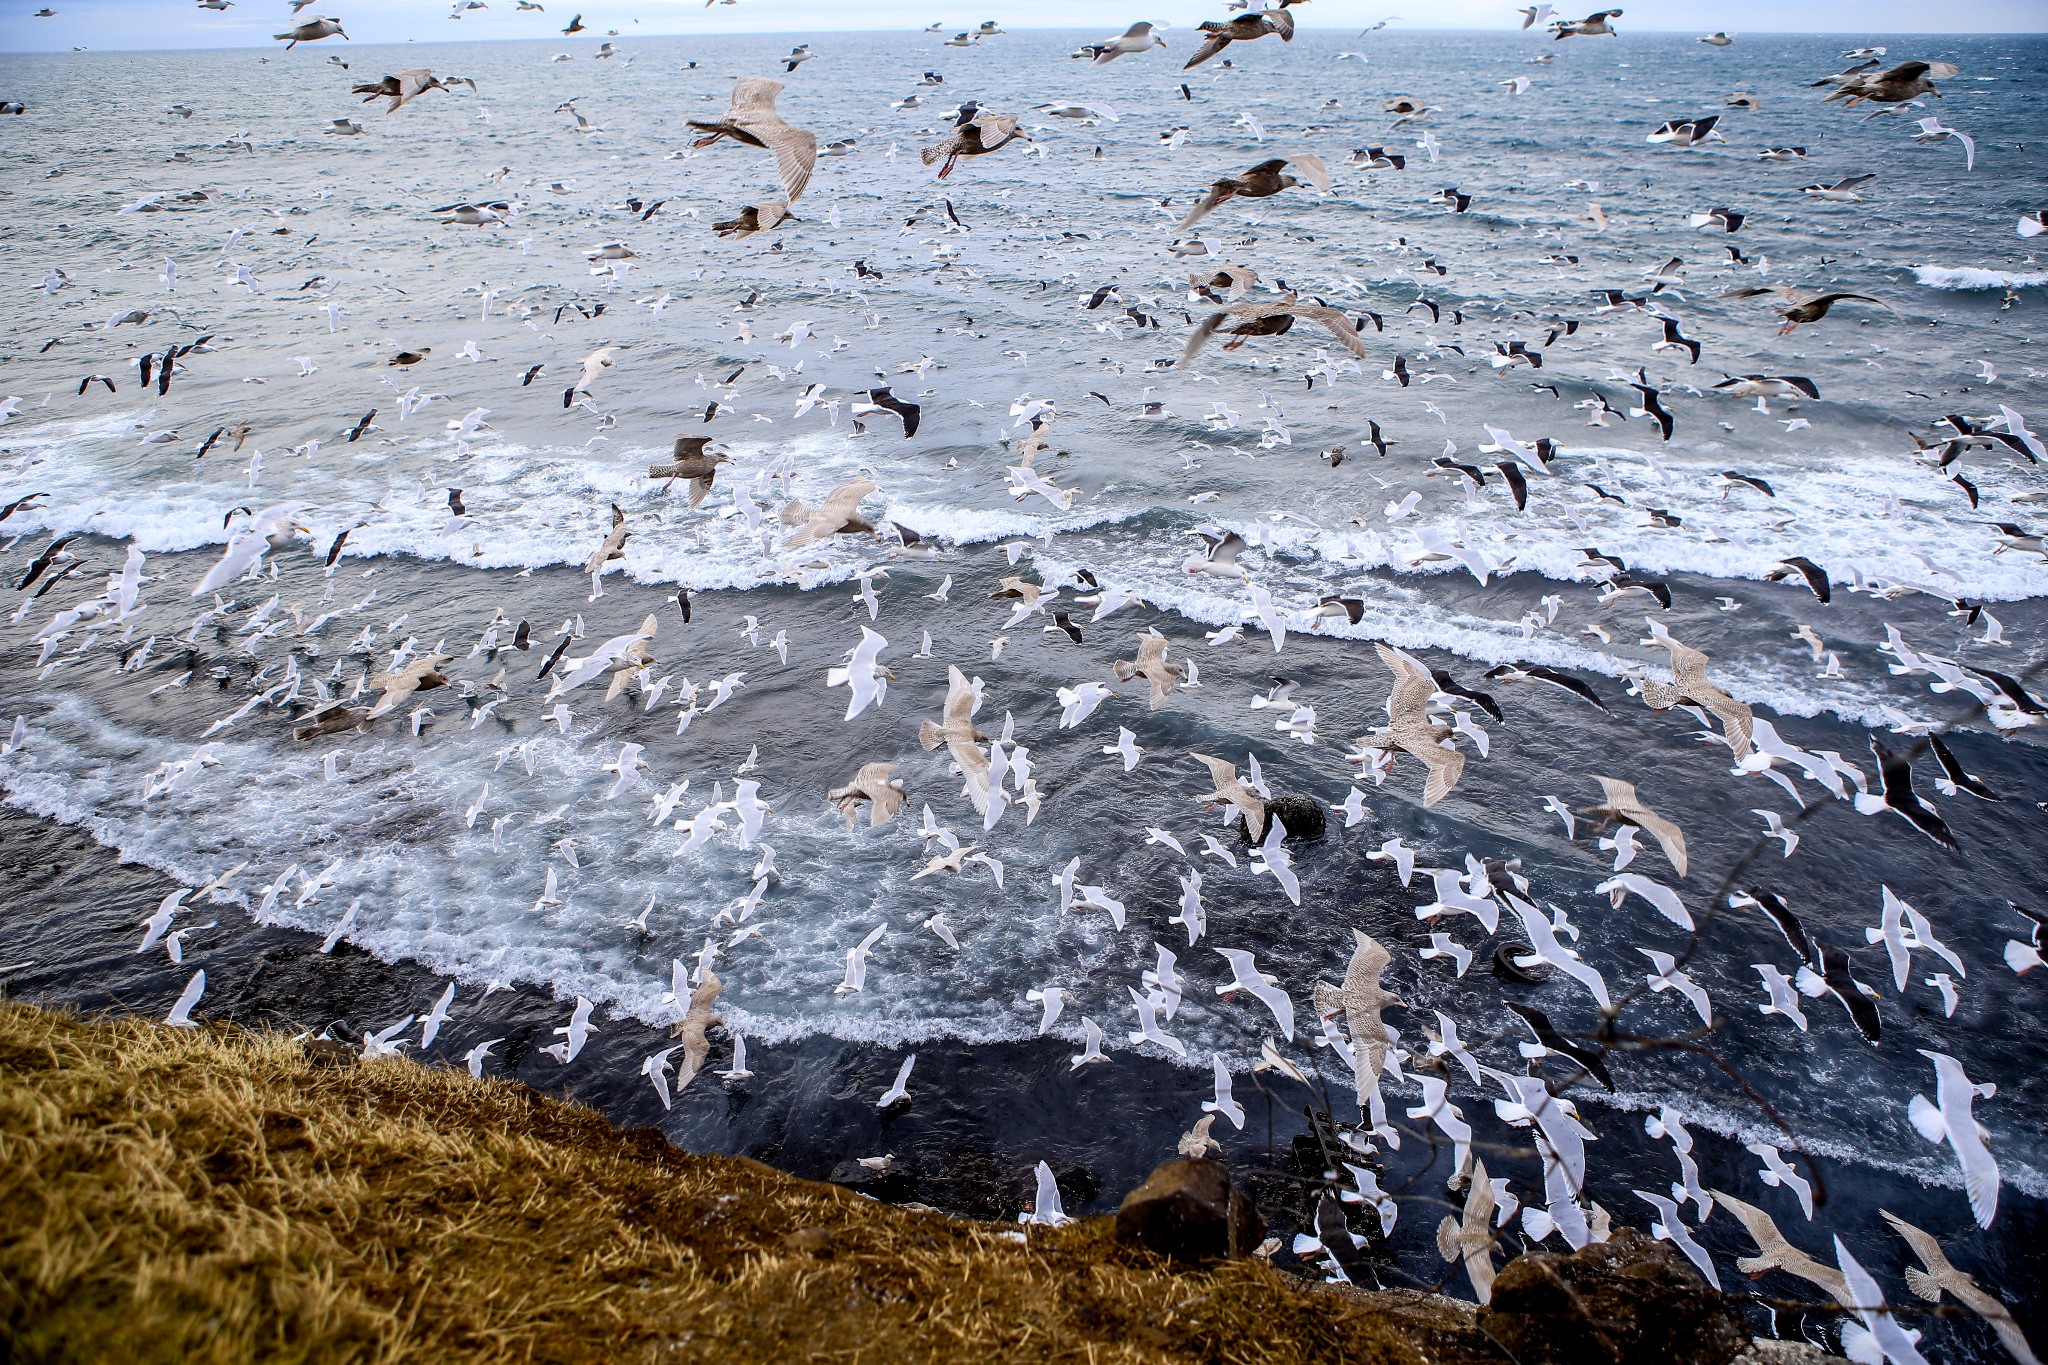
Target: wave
1972, 277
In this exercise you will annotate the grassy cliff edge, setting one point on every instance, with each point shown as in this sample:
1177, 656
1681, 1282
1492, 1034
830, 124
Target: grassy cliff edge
214, 1194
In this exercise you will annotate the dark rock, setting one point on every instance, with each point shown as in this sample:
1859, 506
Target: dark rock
1301, 815
1504, 965
1189, 1210
894, 1183
326, 1052
1626, 1301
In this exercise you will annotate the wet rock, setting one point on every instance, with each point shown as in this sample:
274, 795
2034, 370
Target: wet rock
1626, 1301
883, 1178
1764, 1351
1504, 967
1189, 1210
325, 1052
1301, 815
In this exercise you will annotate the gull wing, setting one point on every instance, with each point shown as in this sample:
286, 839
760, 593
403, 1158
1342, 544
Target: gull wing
1735, 717
1203, 331
1668, 835
1445, 766
1310, 165
1339, 326
795, 150
845, 500
1222, 770
410, 84
1368, 960
1624, 804
1409, 700
1928, 1284
1685, 659
959, 710
1217, 42
872, 781
1202, 208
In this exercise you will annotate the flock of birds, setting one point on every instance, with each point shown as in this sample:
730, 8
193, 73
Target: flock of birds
1432, 717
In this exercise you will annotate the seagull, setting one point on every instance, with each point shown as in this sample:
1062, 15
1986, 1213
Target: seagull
181, 1012
1879, 1336
957, 732
1138, 38
1272, 859
1941, 1275
1229, 790
430, 1026
1192, 916
1624, 805
1668, 1227
857, 962
1410, 729
1592, 26
1895, 778
474, 1058
577, 1032
1219, 557
1150, 664
738, 1070
1148, 1029
1443, 945
1246, 28
1670, 978
1243, 321
696, 1022
1932, 130
1361, 1000
1903, 929
752, 120
1774, 828
1691, 686
977, 132
655, 1069
1469, 1238
1530, 1101
1045, 1201
1051, 1000
1784, 1000
1399, 854
1437, 1107
865, 679
1126, 746
383, 1043
1224, 1103
1546, 949
1776, 1253
1246, 976
1091, 1039
1949, 1120
898, 1091
1777, 1173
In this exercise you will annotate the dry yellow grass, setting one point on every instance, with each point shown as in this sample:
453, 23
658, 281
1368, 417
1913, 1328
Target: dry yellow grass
212, 1195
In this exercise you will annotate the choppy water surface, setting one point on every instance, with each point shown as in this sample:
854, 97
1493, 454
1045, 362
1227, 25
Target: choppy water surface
315, 258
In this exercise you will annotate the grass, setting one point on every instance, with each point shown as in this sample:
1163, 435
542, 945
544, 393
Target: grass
171, 1195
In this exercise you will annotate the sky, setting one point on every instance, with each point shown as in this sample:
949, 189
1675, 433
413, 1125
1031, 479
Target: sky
115, 24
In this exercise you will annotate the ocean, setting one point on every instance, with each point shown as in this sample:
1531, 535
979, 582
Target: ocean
298, 263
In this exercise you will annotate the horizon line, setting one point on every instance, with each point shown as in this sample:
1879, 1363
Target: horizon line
254, 45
